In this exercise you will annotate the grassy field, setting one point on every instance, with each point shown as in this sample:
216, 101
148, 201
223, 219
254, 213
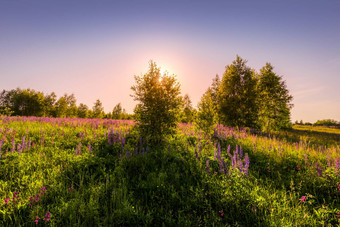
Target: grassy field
81, 172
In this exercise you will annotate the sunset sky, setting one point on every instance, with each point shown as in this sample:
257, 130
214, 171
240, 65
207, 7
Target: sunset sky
94, 48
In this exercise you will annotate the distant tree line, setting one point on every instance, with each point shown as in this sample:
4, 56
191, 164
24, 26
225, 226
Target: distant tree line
325, 122
28, 102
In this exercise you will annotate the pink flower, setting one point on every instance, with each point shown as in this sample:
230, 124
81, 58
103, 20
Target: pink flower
47, 214
6, 200
36, 220
303, 199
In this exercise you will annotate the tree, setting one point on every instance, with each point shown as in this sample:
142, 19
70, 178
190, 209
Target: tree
206, 114
237, 95
61, 107
71, 110
159, 104
26, 102
117, 111
188, 110
49, 108
83, 110
274, 100
98, 109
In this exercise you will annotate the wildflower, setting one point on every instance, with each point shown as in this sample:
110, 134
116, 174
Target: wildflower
36, 220
208, 168
298, 168
338, 185
47, 217
318, 169
338, 216
303, 199
6, 200
246, 166
15, 196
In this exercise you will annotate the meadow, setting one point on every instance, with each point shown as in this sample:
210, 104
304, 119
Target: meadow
99, 172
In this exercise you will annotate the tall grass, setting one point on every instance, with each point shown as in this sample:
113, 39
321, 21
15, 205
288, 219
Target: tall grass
78, 172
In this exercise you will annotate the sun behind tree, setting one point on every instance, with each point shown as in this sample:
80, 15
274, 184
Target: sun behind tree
159, 104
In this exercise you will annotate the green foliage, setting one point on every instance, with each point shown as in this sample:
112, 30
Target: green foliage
22, 102
206, 115
83, 110
159, 104
117, 111
274, 100
327, 122
237, 95
188, 112
97, 110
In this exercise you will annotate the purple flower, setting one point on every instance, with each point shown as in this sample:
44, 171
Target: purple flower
208, 168
6, 201
246, 165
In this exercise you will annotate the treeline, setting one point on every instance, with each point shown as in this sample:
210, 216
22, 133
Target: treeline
28, 102
241, 98
325, 122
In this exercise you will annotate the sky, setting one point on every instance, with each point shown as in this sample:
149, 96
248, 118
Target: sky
93, 48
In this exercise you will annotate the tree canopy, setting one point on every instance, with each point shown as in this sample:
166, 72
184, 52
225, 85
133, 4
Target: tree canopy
157, 112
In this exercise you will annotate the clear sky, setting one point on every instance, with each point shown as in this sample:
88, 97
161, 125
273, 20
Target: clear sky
94, 48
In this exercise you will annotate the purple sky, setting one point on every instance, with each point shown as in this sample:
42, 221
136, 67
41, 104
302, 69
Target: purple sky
94, 48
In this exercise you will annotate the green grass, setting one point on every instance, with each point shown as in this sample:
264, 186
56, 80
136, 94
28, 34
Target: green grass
106, 184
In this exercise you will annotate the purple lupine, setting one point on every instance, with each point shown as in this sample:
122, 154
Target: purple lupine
208, 168
240, 165
224, 166
23, 143
228, 151
241, 152
306, 159
13, 145
318, 169
109, 138
200, 148
218, 151
246, 165
337, 165
221, 166
29, 143
215, 151
89, 148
